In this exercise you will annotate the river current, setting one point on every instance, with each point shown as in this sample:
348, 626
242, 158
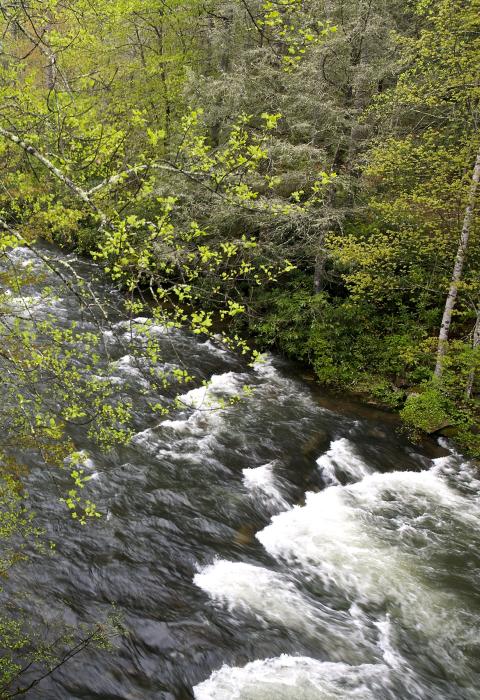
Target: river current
282, 548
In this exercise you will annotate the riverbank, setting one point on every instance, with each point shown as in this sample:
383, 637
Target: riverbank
339, 370
383, 359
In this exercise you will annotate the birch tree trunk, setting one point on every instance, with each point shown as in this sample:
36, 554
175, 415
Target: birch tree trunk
78, 191
476, 344
457, 271
51, 67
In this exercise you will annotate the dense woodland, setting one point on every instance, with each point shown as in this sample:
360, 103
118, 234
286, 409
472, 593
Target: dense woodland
296, 175
194, 148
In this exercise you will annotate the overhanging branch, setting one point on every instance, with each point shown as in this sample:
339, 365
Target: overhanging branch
68, 182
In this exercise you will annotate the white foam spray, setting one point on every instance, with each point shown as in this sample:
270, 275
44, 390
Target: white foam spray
263, 484
295, 678
341, 458
274, 598
357, 539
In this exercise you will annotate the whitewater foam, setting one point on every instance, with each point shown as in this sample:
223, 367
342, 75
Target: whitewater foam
460, 473
262, 484
209, 395
264, 367
273, 597
341, 459
295, 678
358, 540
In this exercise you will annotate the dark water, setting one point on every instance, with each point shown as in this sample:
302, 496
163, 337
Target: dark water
275, 550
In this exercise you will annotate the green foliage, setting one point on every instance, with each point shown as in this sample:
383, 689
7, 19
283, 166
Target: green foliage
435, 407
24, 651
429, 410
21, 646
294, 27
16, 522
345, 340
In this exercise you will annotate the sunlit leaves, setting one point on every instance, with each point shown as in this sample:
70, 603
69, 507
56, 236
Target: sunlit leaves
294, 28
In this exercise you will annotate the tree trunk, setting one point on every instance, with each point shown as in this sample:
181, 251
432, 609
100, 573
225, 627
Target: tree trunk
319, 271
457, 271
78, 191
51, 67
160, 32
476, 344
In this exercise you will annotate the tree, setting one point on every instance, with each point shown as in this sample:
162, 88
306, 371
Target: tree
346, 60
422, 174
457, 276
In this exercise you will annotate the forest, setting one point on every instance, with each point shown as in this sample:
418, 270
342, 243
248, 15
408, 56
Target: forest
296, 177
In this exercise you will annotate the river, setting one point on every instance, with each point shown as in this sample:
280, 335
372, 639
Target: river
281, 549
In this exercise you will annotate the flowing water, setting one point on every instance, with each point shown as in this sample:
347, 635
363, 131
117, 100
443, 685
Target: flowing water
283, 548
